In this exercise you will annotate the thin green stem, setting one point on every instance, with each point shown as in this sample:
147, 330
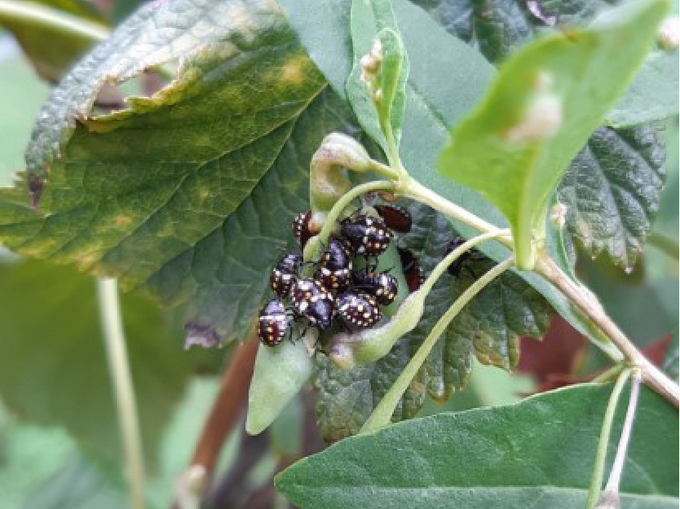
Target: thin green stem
383, 412
346, 200
620, 458
610, 374
419, 192
33, 13
119, 369
436, 273
664, 244
603, 443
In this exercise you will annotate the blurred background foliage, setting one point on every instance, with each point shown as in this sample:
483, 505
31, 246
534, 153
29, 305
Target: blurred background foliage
59, 444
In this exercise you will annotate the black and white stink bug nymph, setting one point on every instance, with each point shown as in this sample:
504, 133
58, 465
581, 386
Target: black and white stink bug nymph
358, 310
301, 228
272, 323
383, 286
284, 274
395, 217
335, 266
366, 235
312, 300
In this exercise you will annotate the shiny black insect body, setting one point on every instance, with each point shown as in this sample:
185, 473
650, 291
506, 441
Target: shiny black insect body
367, 236
411, 267
358, 310
313, 301
285, 273
301, 228
462, 262
383, 286
273, 322
395, 217
335, 266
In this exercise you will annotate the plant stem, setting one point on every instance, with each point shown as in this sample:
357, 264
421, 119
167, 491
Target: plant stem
427, 285
603, 443
651, 375
610, 374
316, 244
620, 458
33, 13
417, 191
227, 409
346, 200
119, 369
383, 412
664, 244
546, 267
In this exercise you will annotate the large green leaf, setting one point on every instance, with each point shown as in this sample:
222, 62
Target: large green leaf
188, 193
488, 328
612, 191
537, 453
53, 368
546, 101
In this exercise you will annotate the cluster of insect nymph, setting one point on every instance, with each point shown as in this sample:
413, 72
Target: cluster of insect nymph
339, 293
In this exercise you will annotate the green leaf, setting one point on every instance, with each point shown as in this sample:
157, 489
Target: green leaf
472, 459
28, 456
53, 49
491, 325
487, 328
370, 22
278, 375
653, 93
546, 101
612, 190
188, 194
500, 27
53, 368
79, 484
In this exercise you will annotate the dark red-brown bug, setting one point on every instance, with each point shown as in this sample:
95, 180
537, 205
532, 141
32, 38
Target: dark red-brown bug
311, 300
358, 310
301, 228
272, 323
411, 267
335, 266
396, 218
383, 286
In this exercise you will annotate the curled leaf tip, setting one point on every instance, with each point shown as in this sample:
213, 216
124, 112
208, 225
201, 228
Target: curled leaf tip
36, 186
